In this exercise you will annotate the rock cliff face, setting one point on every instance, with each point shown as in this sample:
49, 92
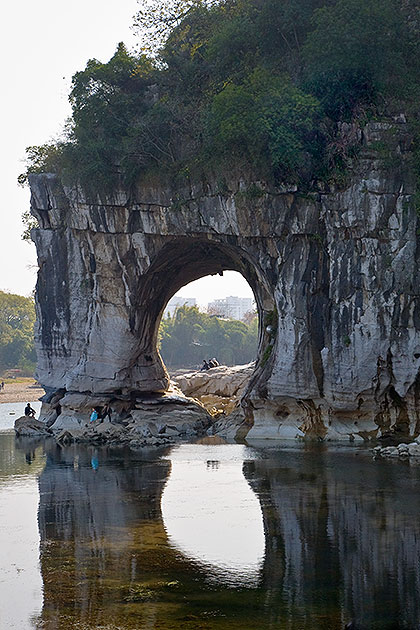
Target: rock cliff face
334, 272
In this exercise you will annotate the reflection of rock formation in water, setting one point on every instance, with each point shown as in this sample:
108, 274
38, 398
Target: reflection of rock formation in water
339, 541
94, 520
205, 505
105, 554
90, 498
342, 543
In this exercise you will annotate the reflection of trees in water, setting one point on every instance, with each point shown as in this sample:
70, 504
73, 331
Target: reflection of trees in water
342, 543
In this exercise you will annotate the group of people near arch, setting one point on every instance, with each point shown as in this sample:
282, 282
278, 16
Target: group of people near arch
211, 363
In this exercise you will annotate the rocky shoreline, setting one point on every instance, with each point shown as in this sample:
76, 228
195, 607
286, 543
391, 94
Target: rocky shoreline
403, 451
147, 419
218, 389
197, 405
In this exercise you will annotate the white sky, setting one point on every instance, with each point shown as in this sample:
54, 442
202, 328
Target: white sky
42, 44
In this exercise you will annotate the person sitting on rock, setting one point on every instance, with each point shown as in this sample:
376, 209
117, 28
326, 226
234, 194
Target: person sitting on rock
215, 362
211, 363
29, 411
205, 366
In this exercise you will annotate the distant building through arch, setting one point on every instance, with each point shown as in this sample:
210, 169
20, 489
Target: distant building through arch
232, 307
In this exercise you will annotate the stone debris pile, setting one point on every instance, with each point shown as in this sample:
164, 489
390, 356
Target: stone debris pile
147, 420
403, 450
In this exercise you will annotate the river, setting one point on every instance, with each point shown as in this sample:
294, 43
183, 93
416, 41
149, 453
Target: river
206, 536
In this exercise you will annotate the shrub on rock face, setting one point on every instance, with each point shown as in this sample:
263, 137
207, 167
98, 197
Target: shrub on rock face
266, 117
357, 50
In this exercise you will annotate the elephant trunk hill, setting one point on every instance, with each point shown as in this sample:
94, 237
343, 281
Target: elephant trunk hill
335, 274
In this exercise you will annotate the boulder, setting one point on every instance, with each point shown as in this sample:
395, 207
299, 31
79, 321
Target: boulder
25, 425
219, 390
414, 450
184, 415
233, 426
222, 381
48, 414
70, 421
64, 438
106, 427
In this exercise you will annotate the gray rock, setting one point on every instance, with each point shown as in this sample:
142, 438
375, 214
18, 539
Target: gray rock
171, 431
30, 426
414, 450
65, 438
389, 451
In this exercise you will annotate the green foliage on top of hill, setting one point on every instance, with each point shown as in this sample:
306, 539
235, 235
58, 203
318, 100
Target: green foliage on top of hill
257, 83
189, 337
17, 319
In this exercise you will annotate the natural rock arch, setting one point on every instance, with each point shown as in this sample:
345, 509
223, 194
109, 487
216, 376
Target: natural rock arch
180, 262
339, 269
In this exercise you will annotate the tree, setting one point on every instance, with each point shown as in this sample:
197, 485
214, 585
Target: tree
266, 117
155, 20
357, 49
29, 223
250, 317
258, 82
17, 318
190, 336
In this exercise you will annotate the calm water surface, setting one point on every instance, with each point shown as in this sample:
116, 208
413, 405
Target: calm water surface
211, 537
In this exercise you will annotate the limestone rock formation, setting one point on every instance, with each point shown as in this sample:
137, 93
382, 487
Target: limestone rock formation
219, 388
334, 271
152, 419
28, 426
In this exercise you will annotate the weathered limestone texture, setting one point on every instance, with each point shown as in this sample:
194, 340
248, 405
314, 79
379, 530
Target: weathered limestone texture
28, 426
147, 419
219, 388
335, 273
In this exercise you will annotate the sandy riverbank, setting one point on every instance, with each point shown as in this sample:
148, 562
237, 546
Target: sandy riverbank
26, 391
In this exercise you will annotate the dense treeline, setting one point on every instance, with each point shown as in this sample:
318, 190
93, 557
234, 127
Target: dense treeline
259, 83
190, 336
17, 319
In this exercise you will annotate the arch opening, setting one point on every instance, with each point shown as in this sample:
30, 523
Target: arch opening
179, 263
214, 317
